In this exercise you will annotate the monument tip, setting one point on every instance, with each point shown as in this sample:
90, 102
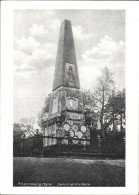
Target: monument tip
65, 20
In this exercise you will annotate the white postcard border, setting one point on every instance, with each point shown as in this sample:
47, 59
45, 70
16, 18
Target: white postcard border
132, 67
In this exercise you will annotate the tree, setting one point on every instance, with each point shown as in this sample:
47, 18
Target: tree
17, 131
105, 86
116, 110
26, 126
89, 105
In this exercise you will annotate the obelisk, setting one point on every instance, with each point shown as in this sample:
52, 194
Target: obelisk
66, 62
66, 119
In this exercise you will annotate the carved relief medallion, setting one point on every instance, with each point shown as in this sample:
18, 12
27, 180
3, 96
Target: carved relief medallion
72, 103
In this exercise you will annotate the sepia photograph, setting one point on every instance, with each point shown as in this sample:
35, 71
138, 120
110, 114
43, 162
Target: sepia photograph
69, 98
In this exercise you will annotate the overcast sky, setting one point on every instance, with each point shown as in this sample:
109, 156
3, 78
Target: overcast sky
99, 37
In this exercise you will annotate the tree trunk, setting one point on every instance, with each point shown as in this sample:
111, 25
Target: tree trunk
102, 115
113, 118
121, 127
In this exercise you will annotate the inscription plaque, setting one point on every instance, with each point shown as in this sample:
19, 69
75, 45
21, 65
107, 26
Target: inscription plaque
75, 116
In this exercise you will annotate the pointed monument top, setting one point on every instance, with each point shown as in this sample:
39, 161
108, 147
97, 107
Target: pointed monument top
66, 20
66, 71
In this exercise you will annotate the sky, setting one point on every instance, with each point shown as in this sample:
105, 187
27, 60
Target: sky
99, 37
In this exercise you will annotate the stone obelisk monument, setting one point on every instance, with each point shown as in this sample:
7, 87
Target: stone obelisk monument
66, 120
66, 71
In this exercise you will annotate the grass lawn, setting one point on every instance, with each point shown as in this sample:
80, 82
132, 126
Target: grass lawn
33, 171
